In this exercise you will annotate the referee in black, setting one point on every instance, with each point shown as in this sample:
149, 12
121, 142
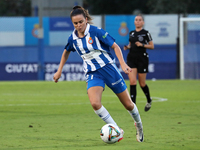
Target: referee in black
138, 59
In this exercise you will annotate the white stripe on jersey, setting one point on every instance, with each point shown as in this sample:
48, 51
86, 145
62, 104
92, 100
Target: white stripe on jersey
98, 44
76, 49
149, 36
89, 46
100, 61
99, 48
80, 45
89, 62
108, 57
85, 66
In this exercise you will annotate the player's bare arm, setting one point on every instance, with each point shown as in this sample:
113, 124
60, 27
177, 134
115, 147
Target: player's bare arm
119, 55
63, 60
127, 46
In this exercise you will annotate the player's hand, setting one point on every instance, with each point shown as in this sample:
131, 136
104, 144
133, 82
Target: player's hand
138, 44
56, 76
125, 47
126, 68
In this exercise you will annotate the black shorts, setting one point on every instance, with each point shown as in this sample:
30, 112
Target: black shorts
139, 61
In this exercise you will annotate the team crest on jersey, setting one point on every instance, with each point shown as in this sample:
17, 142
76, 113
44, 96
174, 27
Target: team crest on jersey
90, 41
140, 38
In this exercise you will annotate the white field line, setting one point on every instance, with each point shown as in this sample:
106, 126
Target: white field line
155, 99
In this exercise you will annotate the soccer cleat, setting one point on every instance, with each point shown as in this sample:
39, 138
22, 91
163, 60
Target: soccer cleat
147, 106
121, 134
139, 132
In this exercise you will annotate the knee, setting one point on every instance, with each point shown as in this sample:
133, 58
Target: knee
133, 82
130, 106
95, 105
142, 84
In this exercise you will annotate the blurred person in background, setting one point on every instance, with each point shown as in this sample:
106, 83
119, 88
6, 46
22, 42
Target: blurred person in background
138, 59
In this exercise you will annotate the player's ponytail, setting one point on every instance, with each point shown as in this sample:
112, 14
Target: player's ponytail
77, 10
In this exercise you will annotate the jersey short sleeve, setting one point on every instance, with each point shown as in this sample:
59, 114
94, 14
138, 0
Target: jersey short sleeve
69, 46
104, 37
149, 38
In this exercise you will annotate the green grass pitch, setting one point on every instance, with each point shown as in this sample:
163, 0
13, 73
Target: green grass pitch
58, 116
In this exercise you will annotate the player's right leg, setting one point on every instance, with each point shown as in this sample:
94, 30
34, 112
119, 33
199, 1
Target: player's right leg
94, 94
95, 87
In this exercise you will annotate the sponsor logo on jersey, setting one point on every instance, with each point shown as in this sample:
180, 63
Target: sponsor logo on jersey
117, 82
105, 35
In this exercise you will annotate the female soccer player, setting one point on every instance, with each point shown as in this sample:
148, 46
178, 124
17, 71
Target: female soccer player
92, 44
138, 59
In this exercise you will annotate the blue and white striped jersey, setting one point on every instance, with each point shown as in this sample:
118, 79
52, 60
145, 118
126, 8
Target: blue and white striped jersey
93, 47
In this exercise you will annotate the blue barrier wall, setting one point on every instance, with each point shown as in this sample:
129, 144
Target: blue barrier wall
19, 60
161, 53
20, 63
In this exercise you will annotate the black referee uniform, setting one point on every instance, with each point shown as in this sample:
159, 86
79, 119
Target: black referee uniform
137, 56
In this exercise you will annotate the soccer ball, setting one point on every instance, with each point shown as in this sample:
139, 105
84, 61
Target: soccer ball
110, 133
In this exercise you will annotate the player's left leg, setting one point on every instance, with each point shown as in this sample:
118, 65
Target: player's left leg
115, 81
145, 89
125, 99
132, 109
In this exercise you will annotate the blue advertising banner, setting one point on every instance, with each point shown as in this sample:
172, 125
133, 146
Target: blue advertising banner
163, 28
74, 71
60, 30
71, 71
31, 30
158, 71
12, 24
119, 26
12, 31
18, 71
61, 24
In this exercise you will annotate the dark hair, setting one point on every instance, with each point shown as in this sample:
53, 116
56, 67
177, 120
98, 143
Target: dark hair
77, 10
141, 16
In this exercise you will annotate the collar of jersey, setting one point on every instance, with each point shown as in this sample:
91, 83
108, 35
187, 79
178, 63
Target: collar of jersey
86, 32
